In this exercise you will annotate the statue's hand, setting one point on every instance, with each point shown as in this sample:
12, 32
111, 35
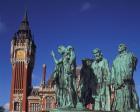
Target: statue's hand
127, 77
112, 88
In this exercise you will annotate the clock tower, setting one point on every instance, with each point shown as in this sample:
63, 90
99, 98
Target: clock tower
22, 60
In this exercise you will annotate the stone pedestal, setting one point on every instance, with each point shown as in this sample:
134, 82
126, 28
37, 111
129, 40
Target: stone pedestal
69, 110
75, 110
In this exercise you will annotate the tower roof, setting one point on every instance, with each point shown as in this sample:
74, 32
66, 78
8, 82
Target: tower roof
24, 31
25, 18
24, 24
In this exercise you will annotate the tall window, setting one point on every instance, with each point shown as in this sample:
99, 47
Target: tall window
16, 106
49, 102
34, 107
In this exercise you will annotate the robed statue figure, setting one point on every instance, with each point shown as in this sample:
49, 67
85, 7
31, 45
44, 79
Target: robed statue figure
100, 68
63, 76
124, 65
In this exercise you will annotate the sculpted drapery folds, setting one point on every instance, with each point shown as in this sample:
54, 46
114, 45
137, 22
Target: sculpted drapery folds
123, 68
57, 77
96, 81
63, 76
101, 70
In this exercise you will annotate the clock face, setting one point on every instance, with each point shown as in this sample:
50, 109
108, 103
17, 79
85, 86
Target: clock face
20, 54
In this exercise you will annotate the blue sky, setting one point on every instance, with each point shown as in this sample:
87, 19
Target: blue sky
84, 24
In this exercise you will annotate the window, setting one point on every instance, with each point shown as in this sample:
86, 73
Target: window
17, 106
34, 107
49, 102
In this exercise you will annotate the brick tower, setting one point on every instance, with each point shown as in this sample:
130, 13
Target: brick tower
22, 59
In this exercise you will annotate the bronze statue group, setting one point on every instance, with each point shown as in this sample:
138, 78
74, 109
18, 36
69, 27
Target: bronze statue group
107, 89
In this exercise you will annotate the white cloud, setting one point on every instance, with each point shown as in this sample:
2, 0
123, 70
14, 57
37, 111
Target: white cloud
35, 87
6, 107
86, 6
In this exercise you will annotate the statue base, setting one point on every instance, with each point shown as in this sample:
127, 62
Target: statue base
79, 106
69, 110
74, 110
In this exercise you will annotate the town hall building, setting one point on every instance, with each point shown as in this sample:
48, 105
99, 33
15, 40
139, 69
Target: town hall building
24, 97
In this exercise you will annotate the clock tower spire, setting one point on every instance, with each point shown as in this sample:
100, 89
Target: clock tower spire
22, 59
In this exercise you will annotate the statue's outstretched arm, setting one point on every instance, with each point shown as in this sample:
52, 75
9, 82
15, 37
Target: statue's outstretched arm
54, 58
